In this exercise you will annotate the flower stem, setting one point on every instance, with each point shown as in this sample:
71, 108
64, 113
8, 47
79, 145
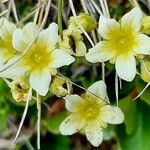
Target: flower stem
38, 121
24, 113
60, 18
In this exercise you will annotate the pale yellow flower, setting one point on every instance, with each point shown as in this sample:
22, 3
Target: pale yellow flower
90, 113
122, 42
42, 60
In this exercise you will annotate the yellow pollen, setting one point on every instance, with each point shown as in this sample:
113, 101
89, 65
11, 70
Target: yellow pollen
122, 40
90, 108
38, 57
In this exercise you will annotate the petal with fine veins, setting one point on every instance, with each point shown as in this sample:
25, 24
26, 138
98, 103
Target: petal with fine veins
23, 37
80, 49
100, 53
112, 114
106, 26
94, 134
99, 89
71, 125
93, 55
40, 81
14, 71
50, 35
143, 45
6, 28
19, 40
126, 67
60, 58
30, 30
72, 101
133, 19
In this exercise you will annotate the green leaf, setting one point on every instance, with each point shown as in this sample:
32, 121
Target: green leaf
4, 112
52, 123
139, 140
129, 109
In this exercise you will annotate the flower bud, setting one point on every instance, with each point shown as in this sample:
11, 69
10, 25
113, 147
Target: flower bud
87, 22
146, 25
61, 87
72, 43
145, 68
19, 90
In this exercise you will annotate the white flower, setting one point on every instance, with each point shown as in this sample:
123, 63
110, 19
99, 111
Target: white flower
6, 32
90, 113
42, 60
122, 42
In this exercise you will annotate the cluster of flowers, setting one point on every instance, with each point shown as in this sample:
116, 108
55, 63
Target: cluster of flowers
122, 42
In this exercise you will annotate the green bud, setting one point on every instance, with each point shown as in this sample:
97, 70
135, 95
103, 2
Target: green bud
87, 22
144, 72
146, 25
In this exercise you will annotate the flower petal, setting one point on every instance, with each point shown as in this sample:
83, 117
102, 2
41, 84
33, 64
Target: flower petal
94, 134
23, 37
133, 19
6, 28
80, 49
13, 72
100, 53
60, 58
93, 55
126, 67
112, 114
40, 81
106, 26
50, 35
99, 89
31, 30
2, 58
144, 45
71, 125
72, 101
19, 40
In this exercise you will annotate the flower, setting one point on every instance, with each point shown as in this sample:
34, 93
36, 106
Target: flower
122, 42
72, 43
6, 32
61, 87
42, 59
91, 113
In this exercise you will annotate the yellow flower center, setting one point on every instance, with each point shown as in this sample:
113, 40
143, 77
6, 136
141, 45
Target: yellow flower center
123, 40
90, 109
38, 57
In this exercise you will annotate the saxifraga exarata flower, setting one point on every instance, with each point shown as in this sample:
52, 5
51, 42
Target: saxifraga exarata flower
91, 113
122, 43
